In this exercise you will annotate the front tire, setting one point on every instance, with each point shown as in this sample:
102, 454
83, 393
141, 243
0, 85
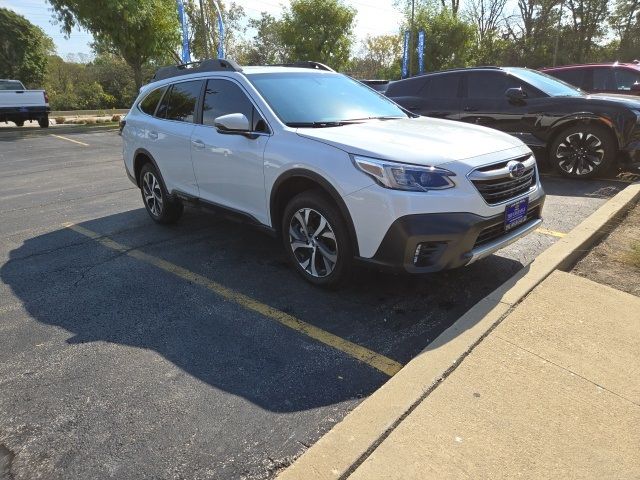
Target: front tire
161, 207
316, 239
583, 151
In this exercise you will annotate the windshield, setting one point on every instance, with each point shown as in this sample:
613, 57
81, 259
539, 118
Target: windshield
546, 83
11, 85
317, 99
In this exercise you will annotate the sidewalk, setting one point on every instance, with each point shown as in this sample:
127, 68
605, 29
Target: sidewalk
552, 392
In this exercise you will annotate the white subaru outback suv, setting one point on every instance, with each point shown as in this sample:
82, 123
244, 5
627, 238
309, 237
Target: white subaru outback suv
338, 171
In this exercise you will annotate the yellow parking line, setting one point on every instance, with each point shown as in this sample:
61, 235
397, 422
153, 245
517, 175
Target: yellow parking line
70, 140
551, 233
371, 358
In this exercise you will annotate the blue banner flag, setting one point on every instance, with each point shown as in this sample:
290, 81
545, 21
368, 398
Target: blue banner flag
405, 56
186, 54
421, 35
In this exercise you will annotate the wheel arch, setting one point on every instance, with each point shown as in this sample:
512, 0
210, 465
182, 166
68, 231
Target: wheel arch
583, 119
140, 158
296, 181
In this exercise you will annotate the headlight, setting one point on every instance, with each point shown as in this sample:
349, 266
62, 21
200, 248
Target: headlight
402, 176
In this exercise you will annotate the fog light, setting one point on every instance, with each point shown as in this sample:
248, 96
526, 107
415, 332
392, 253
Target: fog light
426, 253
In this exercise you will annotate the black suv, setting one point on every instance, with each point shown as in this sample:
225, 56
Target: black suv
584, 135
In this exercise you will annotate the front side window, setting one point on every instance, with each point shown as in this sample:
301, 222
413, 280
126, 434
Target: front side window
546, 84
223, 97
626, 78
486, 85
150, 102
180, 102
312, 99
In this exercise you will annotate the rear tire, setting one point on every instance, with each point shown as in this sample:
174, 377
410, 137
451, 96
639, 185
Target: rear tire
316, 239
161, 207
583, 151
44, 122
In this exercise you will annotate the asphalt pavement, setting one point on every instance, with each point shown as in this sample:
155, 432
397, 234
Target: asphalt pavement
133, 350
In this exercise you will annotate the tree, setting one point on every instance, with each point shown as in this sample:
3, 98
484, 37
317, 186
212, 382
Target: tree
380, 57
319, 30
267, 46
24, 49
204, 32
588, 21
625, 22
138, 30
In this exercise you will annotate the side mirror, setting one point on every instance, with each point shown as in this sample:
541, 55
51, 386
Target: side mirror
516, 95
635, 87
234, 123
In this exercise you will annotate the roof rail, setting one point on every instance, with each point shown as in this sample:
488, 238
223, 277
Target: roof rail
210, 65
306, 64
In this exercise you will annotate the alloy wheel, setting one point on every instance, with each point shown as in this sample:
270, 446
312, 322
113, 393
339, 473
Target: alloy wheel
152, 193
313, 242
580, 153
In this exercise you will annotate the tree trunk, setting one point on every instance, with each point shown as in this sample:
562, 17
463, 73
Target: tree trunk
137, 75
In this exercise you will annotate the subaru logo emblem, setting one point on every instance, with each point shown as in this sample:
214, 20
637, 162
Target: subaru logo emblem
516, 169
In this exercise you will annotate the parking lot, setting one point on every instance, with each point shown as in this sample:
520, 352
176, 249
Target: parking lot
134, 350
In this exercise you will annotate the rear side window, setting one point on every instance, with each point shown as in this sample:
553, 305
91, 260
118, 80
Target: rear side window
441, 87
573, 76
223, 97
11, 85
150, 102
603, 79
180, 102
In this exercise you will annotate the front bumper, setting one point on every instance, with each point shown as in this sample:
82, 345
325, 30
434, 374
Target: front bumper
448, 240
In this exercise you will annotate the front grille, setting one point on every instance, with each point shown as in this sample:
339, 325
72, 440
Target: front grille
496, 185
492, 232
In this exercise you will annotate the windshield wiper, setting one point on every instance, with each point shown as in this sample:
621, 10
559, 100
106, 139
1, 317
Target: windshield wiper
320, 124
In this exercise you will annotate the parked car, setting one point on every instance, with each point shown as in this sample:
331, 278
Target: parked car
338, 171
377, 85
17, 104
600, 78
583, 135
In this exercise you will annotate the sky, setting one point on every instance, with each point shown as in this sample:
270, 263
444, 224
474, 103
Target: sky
374, 17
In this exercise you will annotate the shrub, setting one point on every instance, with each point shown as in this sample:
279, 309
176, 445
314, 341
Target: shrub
60, 120
115, 118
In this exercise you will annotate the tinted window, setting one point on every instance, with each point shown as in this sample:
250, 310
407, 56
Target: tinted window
150, 102
545, 83
441, 87
180, 103
626, 78
305, 98
223, 97
11, 85
573, 76
603, 79
486, 85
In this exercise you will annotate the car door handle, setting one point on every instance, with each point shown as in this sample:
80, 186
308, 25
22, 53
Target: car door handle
470, 109
153, 135
198, 144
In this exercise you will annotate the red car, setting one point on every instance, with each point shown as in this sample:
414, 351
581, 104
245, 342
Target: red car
600, 78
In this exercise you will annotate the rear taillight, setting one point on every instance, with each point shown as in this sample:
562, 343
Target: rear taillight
46, 97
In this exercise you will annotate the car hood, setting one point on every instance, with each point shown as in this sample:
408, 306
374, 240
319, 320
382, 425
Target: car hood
419, 141
629, 101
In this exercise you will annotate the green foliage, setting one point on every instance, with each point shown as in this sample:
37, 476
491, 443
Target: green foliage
203, 28
24, 49
380, 57
267, 46
319, 30
139, 31
105, 83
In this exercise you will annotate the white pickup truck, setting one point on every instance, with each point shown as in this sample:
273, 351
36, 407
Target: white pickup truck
17, 104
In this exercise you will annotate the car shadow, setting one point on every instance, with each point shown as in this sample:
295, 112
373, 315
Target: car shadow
98, 294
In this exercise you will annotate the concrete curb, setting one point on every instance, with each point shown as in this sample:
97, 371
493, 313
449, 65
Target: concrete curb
87, 113
338, 453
